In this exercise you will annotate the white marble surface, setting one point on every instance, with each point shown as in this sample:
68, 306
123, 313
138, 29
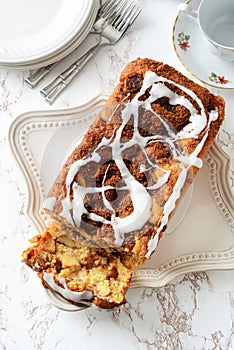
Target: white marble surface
195, 311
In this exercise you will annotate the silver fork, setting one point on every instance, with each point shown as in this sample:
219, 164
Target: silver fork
104, 16
108, 36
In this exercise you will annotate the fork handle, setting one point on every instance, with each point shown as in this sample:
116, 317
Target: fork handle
38, 74
52, 90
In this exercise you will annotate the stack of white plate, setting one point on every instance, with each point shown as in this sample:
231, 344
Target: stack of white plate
37, 33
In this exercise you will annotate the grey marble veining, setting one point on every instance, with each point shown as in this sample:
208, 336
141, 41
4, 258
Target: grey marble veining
194, 311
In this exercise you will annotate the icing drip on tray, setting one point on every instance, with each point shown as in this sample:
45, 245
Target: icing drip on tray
84, 297
140, 195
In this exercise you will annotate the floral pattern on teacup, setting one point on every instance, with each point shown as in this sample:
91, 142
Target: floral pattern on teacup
218, 79
183, 41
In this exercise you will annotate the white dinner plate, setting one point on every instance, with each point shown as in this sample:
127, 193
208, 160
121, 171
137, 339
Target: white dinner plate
65, 51
191, 49
202, 240
31, 31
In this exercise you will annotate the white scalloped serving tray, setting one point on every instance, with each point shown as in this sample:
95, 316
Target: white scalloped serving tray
202, 240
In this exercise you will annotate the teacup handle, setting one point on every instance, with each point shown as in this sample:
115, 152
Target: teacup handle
188, 10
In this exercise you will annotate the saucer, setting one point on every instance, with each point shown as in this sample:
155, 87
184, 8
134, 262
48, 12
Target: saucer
191, 49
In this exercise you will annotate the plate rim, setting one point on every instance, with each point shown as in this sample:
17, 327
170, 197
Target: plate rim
219, 164
62, 53
68, 35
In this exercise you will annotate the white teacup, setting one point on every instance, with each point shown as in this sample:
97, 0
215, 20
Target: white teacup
216, 21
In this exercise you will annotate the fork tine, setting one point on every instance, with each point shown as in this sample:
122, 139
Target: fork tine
123, 14
109, 11
131, 19
115, 10
131, 13
106, 6
113, 7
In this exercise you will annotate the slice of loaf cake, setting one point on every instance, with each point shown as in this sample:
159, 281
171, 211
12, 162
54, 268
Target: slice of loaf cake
120, 186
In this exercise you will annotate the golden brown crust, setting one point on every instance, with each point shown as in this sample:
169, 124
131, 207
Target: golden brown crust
177, 115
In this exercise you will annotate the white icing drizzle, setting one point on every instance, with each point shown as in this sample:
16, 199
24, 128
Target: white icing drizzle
168, 208
77, 297
198, 122
140, 195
